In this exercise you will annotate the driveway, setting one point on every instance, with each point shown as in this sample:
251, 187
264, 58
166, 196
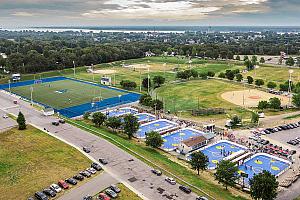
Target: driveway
122, 166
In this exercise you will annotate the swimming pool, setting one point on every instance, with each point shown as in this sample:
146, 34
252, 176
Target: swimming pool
120, 112
160, 126
262, 161
220, 150
145, 117
172, 140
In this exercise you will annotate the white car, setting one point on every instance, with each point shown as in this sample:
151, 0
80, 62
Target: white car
5, 116
170, 180
91, 170
55, 188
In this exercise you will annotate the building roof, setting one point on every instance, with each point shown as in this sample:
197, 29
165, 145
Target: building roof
194, 140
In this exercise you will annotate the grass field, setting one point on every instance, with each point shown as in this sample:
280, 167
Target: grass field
205, 181
30, 161
57, 94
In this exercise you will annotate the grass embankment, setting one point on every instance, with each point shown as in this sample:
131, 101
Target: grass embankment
31, 160
205, 181
125, 193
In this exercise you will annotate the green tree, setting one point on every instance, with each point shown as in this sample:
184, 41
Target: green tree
238, 57
222, 75
246, 58
86, 115
98, 118
21, 121
250, 79
158, 80
254, 118
226, 173
154, 139
146, 100
131, 125
262, 60
263, 186
236, 121
296, 100
290, 61
249, 65
211, 73
239, 77
114, 122
157, 104
254, 60
229, 74
145, 83
203, 75
199, 161
262, 105
274, 103
259, 82
271, 85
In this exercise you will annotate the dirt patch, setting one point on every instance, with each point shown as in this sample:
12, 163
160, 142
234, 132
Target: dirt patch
138, 66
104, 71
250, 98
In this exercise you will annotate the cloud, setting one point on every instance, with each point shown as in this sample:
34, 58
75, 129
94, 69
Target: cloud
23, 14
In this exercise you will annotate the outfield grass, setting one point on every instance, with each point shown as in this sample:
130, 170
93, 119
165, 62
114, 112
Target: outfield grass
77, 92
31, 160
204, 181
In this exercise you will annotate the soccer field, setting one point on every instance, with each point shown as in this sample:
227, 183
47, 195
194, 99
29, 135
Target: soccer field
65, 93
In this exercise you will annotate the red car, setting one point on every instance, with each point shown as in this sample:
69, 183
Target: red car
103, 196
63, 184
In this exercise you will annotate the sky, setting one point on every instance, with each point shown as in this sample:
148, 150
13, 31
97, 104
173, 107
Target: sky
25, 13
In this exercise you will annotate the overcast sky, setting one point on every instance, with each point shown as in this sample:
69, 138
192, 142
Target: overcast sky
16, 13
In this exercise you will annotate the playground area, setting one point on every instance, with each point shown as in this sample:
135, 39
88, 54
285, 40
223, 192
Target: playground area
161, 126
251, 97
120, 112
172, 140
220, 150
262, 161
70, 97
145, 117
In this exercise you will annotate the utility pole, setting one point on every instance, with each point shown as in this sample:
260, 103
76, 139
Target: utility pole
74, 68
148, 80
92, 71
9, 86
31, 96
140, 81
290, 85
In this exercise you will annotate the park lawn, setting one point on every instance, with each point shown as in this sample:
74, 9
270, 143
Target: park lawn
276, 74
31, 160
205, 181
216, 67
47, 93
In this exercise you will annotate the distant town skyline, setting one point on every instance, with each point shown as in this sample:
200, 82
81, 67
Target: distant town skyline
24, 13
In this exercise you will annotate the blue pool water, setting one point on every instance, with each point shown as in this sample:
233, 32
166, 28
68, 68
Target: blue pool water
262, 162
160, 125
219, 151
172, 140
145, 117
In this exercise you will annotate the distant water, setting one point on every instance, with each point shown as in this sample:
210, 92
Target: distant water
163, 29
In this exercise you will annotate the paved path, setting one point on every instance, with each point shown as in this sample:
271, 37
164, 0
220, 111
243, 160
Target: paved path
92, 187
136, 175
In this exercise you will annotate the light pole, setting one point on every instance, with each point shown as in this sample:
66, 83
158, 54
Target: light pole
92, 72
148, 80
9, 86
290, 85
31, 96
74, 68
140, 81
119, 98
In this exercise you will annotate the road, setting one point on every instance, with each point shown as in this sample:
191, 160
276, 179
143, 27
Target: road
125, 168
6, 123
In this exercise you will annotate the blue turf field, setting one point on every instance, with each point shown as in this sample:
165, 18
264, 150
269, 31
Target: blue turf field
260, 162
172, 140
145, 117
160, 125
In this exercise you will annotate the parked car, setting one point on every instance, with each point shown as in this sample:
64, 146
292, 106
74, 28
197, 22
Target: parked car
103, 161
91, 170
88, 197
157, 172
115, 188
63, 184
62, 121
55, 188
85, 173
103, 196
55, 123
201, 198
170, 180
40, 196
96, 166
78, 177
111, 193
86, 149
49, 192
30, 198
185, 189
4, 116
71, 181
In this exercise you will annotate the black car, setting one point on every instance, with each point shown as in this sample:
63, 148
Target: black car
78, 177
201, 198
284, 127
103, 161
96, 166
62, 121
49, 192
157, 172
267, 131
55, 123
88, 197
71, 181
185, 189
115, 188
86, 149
40, 196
